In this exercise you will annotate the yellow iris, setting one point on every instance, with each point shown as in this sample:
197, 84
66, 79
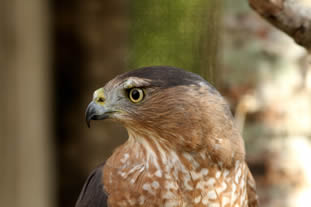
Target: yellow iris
136, 95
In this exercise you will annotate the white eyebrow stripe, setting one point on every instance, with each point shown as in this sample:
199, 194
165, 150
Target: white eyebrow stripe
135, 82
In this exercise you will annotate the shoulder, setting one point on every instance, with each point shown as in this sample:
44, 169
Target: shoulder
93, 194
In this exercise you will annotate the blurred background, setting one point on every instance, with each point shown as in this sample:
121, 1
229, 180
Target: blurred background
55, 53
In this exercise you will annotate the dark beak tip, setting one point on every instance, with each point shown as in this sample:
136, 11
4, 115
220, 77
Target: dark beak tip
89, 115
88, 123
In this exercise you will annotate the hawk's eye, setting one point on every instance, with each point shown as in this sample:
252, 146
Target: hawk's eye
136, 95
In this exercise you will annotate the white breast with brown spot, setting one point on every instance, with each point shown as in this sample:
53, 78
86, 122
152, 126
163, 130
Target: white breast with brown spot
143, 172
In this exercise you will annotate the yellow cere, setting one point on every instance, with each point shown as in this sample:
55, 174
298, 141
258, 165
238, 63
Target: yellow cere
99, 96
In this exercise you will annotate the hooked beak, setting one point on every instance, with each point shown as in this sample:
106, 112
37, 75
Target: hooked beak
96, 112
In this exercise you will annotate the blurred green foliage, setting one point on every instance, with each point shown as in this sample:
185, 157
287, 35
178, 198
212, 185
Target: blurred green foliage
178, 33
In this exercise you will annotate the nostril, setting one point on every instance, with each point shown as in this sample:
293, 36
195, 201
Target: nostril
100, 100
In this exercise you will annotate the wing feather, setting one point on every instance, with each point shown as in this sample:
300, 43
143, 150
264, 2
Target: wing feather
93, 194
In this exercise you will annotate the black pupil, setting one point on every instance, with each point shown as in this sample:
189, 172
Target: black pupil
135, 94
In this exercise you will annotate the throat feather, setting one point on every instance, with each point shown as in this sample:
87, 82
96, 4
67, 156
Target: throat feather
147, 169
157, 157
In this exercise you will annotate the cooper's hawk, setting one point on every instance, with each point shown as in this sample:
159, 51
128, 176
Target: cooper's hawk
183, 148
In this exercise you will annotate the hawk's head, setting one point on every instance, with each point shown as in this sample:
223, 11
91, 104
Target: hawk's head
176, 107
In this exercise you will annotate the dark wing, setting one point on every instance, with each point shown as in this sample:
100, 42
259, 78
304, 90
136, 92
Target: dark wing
251, 191
93, 194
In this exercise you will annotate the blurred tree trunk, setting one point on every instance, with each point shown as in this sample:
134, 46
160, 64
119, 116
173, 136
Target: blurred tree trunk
26, 172
90, 46
183, 34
